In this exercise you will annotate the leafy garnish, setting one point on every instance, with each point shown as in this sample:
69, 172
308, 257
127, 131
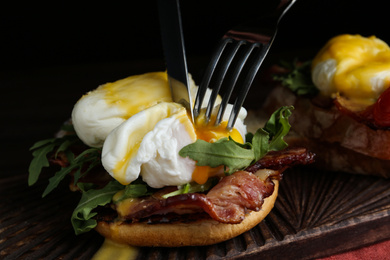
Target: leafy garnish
42, 149
278, 127
82, 217
223, 152
88, 157
236, 156
82, 162
193, 187
137, 188
298, 79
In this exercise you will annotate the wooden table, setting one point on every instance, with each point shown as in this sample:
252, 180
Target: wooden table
317, 213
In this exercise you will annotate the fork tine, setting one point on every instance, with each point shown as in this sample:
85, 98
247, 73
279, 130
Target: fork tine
250, 60
208, 75
229, 55
244, 89
215, 71
233, 81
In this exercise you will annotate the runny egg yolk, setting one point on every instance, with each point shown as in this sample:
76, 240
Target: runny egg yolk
211, 133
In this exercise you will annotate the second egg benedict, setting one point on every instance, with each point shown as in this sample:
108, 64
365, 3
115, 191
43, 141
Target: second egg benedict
344, 112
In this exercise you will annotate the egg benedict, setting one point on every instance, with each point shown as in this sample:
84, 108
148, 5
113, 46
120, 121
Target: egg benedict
355, 67
149, 176
142, 131
342, 109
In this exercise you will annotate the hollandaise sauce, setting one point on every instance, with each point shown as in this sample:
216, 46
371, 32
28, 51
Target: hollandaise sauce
113, 250
136, 93
355, 67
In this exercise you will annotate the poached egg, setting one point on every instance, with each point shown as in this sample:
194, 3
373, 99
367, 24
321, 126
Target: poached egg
354, 67
141, 131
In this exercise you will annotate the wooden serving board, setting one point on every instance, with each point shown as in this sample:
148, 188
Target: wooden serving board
316, 214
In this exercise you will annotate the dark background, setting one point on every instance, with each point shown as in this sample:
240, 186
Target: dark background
52, 54
36, 36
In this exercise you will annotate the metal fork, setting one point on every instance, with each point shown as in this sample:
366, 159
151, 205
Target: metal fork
245, 48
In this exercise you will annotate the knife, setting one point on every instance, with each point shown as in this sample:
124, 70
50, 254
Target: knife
174, 52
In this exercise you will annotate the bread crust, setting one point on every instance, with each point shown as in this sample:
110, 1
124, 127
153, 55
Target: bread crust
199, 233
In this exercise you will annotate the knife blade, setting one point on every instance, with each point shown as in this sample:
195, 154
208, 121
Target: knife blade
174, 52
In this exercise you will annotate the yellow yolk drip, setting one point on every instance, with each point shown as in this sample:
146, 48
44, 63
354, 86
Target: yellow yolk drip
211, 133
113, 250
136, 93
363, 67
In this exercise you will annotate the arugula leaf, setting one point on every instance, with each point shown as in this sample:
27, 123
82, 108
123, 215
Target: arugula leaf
39, 159
238, 156
82, 217
83, 186
298, 79
260, 143
88, 156
278, 127
223, 152
134, 190
42, 143
193, 187
41, 149
59, 176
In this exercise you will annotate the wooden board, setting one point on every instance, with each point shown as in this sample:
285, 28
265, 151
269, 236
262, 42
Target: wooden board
316, 214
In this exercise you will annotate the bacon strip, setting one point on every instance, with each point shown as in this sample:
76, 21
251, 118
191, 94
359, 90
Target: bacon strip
230, 199
283, 159
227, 202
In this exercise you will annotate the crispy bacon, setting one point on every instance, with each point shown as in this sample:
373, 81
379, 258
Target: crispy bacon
234, 195
227, 202
283, 159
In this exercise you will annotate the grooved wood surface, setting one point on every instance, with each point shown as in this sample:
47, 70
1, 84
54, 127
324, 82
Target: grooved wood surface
316, 214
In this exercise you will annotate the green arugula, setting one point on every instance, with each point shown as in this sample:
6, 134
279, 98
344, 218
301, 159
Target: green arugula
82, 217
223, 152
40, 160
298, 79
90, 157
236, 156
42, 149
137, 188
193, 187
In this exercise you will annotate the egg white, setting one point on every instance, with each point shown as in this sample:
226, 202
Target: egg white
93, 119
95, 115
146, 143
151, 139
